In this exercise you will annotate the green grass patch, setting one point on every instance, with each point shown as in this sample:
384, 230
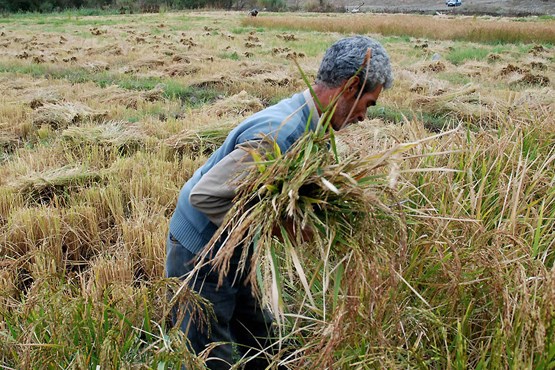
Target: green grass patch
226, 55
500, 49
172, 89
68, 328
66, 18
185, 23
88, 12
388, 114
456, 78
241, 30
459, 55
309, 45
395, 40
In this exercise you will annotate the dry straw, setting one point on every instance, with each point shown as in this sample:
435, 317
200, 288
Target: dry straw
81, 233
115, 95
44, 186
105, 271
62, 115
8, 142
236, 105
144, 239
467, 29
122, 136
463, 104
201, 141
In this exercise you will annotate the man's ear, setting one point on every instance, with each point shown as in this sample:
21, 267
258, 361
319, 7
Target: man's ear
351, 86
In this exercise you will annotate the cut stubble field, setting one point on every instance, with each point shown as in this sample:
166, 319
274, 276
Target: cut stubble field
434, 242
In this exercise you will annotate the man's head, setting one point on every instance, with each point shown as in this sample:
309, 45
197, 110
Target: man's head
344, 72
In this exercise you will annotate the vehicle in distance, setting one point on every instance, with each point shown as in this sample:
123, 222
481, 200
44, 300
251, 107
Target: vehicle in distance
453, 2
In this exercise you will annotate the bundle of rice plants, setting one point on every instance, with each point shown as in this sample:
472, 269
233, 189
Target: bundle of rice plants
62, 115
124, 137
147, 183
8, 289
200, 141
217, 82
182, 69
109, 204
463, 104
117, 95
96, 66
157, 93
43, 187
8, 142
149, 63
238, 104
39, 98
106, 271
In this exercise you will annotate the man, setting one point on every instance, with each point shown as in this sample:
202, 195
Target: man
241, 324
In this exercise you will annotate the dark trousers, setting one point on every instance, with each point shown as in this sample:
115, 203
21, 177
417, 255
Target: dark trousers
239, 319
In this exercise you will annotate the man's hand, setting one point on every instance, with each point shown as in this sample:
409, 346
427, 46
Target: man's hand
306, 233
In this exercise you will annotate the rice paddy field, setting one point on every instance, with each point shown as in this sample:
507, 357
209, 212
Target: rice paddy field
434, 228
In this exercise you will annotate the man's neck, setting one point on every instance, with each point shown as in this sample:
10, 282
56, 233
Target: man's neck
325, 95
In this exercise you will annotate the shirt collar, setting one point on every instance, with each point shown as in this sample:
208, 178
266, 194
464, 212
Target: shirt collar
312, 107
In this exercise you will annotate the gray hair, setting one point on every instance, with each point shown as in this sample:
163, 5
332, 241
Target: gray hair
345, 57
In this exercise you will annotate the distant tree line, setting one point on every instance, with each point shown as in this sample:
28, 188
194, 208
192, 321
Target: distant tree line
132, 6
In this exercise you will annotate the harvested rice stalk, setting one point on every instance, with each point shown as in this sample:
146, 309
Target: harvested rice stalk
447, 97
182, 69
114, 95
118, 134
149, 63
8, 142
155, 94
10, 200
531, 79
62, 115
106, 271
43, 97
464, 104
42, 187
96, 66
237, 104
217, 83
201, 141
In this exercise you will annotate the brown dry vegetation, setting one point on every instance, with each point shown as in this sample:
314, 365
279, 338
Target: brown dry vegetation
444, 27
102, 120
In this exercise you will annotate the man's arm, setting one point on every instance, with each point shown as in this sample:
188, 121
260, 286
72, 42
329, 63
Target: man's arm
213, 194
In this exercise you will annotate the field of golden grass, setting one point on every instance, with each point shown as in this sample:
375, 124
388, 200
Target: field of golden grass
102, 120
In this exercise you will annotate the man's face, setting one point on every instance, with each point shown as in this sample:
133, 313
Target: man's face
350, 110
